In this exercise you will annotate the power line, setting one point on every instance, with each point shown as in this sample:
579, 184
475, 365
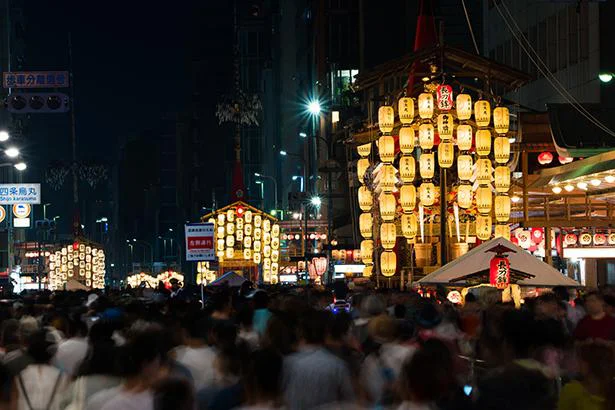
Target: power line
465, 10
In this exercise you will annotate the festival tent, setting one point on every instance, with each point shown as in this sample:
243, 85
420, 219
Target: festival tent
473, 268
231, 279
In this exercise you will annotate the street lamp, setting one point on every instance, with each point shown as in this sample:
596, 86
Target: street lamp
11, 152
303, 135
316, 201
4, 136
275, 187
262, 189
20, 166
314, 107
606, 76
296, 177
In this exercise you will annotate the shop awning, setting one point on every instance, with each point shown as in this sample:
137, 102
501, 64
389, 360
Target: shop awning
526, 270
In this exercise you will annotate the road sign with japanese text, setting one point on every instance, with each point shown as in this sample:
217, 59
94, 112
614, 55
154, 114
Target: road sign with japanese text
35, 79
11, 194
200, 242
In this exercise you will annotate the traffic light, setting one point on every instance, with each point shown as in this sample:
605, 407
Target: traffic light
24, 103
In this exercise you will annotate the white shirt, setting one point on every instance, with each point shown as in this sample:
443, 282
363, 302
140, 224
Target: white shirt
70, 354
200, 362
126, 400
39, 382
392, 356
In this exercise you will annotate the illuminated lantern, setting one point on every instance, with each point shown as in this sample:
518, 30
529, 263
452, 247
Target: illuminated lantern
446, 154
426, 136
367, 271
407, 168
230, 228
230, 253
545, 158
445, 126
275, 255
499, 272
388, 235
464, 167
366, 224
221, 218
247, 241
267, 225
599, 239
483, 227
256, 257
426, 105
501, 120
405, 110
386, 148
275, 230
362, 166
484, 171
427, 165
538, 235
482, 113
565, 160
585, 238
406, 140
463, 104
483, 142
267, 251
367, 251
365, 199
407, 197
257, 234
611, 239
388, 263
427, 193
275, 242
386, 118
387, 207
444, 94
464, 196
364, 150
502, 231
502, 179
220, 231
409, 225
258, 220
464, 137
248, 229
230, 241
483, 199
257, 246
388, 179
220, 245
248, 216
502, 208
230, 215
501, 149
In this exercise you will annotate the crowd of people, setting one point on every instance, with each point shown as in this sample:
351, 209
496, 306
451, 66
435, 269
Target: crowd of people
307, 348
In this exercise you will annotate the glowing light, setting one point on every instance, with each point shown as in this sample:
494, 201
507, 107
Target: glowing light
556, 189
316, 201
314, 107
605, 77
21, 166
12, 152
609, 179
515, 199
595, 182
568, 188
4, 136
582, 185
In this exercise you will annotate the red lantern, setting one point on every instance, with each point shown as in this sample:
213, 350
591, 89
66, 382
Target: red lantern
320, 264
444, 96
239, 211
570, 239
599, 239
499, 272
564, 160
545, 158
537, 235
75, 246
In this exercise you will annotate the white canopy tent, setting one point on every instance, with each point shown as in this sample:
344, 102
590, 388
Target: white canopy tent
530, 270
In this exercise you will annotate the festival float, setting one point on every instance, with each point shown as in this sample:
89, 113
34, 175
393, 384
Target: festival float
80, 265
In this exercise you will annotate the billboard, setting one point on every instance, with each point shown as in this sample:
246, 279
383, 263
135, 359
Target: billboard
200, 242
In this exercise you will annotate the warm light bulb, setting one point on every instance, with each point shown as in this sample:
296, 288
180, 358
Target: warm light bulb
569, 188
609, 179
515, 199
595, 182
556, 189
582, 185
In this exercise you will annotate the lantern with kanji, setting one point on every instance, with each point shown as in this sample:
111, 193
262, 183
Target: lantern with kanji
388, 235
464, 196
463, 104
406, 140
501, 120
426, 136
387, 207
388, 177
545, 158
464, 137
483, 227
388, 263
405, 109
364, 150
501, 149
407, 197
407, 168
362, 166
427, 193
409, 225
499, 272
386, 149
366, 224
502, 179
427, 165
482, 113
446, 154
484, 171
367, 251
464, 167
502, 208
483, 142
365, 199
386, 118
445, 126
426, 105
502, 231
483, 199
444, 94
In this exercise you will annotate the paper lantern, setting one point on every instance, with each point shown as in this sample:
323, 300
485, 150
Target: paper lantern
444, 94
407, 168
365, 199
484, 171
464, 137
364, 150
388, 263
501, 150
565, 160
427, 193
445, 126
258, 220
426, 105
388, 235
463, 104
366, 224
367, 251
230, 215
483, 142
230, 241
387, 207
362, 166
405, 110
599, 239
584, 239
230, 253
611, 239
483, 227
545, 158
501, 120
483, 199
409, 225
502, 208
464, 167
502, 231
426, 136
386, 118
386, 148
406, 140
499, 272
407, 197
464, 196
388, 179
482, 113
367, 271
427, 165
502, 179
446, 154
256, 257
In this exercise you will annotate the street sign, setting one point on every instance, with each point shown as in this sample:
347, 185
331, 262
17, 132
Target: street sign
21, 222
35, 79
11, 194
200, 242
22, 210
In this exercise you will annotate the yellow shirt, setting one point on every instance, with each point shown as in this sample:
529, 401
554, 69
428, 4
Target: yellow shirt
575, 397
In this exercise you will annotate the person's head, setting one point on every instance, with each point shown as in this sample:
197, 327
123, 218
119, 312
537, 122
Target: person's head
40, 347
245, 317
596, 362
314, 327
144, 354
260, 299
10, 334
562, 293
547, 306
221, 301
339, 326
263, 377
27, 327
373, 305
224, 333
102, 355
175, 285
514, 387
174, 394
428, 375
280, 335
383, 329
196, 327
594, 303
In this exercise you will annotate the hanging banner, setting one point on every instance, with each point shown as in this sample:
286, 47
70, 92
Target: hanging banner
499, 272
445, 97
